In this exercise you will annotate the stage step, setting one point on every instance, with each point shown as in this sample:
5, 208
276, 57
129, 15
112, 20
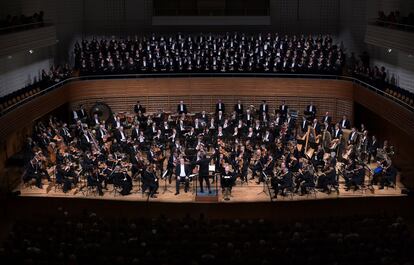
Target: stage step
207, 199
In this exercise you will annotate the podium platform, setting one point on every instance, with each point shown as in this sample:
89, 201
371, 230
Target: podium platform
207, 197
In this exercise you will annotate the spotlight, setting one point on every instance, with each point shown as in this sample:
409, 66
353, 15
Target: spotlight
31, 51
389, 50
9, 57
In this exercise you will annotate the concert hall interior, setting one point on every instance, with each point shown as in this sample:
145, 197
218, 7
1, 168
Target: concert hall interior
207, 131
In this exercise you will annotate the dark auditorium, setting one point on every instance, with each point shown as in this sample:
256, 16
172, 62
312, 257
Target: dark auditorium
206, 132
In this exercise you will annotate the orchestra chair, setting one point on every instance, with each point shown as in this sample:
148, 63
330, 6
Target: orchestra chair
311, 190
362, 186
90, 189
136, 182
57, 185
116, 190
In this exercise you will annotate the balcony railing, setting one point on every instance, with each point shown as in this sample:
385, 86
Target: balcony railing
392, 25
134, 76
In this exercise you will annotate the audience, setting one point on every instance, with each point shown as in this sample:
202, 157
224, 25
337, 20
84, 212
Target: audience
11, 21
394, 18
46, 79
91, 239
377, 77
230, 52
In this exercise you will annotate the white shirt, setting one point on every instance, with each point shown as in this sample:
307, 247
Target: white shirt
122, 136
343, 123
182, 170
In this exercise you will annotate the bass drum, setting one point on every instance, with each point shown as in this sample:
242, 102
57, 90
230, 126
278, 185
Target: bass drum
102, 109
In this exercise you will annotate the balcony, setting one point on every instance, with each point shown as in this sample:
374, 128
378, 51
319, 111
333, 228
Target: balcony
27, 39
391, 36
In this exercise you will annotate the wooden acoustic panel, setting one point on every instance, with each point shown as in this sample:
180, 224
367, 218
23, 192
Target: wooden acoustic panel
202, 93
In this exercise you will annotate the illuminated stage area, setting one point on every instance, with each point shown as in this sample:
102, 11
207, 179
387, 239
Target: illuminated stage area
241, 193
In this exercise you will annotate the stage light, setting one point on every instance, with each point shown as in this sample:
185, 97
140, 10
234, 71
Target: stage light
9, 57
389, 50
31, 51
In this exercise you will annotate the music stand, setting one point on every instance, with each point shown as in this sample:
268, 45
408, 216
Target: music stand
164, 177
264, 183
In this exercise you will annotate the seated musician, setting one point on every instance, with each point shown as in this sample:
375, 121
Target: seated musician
33, 172
122, 180
95, 180
305, 179
182, 172
219, 118
379, 172
66, 175
345, 123
85, 142
353, 136
191, 138
337, 132
326, 119
227, 179
283, 182
248, 120
278, 120
304, 125
135, 132
261, 160
267, 171
182, 108
316, 126
355, 177
328, 179
150, 181
389, 177
95, 122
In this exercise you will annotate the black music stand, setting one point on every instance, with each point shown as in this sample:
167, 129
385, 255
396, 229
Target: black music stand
266, 188
164, 177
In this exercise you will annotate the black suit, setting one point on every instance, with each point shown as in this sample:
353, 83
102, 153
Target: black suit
283, 110
238, 110
220, 107
311, 110
345, 124
138, 108
182, 108
204, 172
304, 125
264, 108
135, 134
182, 179
327, 119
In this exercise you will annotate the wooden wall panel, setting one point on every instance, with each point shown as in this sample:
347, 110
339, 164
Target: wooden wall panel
202, 93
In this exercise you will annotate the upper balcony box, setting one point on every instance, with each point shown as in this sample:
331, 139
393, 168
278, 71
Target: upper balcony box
12, 42
391, 36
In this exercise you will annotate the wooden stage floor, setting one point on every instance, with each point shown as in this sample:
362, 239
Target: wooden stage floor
250, 192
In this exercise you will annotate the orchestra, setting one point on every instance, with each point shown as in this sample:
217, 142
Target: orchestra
246, 144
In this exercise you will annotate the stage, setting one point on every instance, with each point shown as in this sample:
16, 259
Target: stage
241, 193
